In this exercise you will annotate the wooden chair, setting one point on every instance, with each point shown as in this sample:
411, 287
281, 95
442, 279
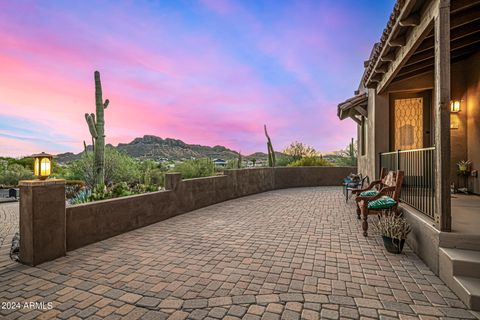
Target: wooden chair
391, 186
376, 184
349, 186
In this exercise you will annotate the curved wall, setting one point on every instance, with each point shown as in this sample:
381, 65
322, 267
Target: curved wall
92, 222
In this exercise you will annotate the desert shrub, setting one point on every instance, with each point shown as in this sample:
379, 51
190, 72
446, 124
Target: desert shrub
119, 167
310, 162
195, 168
232, 164
11, 174
152, 174
284, 161
156, 178
120, 189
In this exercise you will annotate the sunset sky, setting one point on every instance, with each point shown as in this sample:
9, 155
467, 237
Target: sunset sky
208, 72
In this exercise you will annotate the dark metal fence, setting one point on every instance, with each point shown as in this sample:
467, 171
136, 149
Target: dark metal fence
419, 183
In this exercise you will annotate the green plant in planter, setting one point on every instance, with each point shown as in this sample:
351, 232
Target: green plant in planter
464, 167
83, 196
394, 231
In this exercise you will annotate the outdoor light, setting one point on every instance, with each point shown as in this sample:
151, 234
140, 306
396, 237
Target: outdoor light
455, 106
42, 166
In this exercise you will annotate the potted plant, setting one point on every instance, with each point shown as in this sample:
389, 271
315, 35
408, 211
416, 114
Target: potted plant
464, 169
394, 231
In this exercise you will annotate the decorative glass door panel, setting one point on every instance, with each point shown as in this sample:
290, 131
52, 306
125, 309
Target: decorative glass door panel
408, 125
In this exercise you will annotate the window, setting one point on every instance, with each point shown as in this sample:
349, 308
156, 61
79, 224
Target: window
408, 124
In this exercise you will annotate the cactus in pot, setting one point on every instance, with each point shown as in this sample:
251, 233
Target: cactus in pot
96, 126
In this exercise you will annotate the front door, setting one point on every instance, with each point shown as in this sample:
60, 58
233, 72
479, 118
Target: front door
410, 121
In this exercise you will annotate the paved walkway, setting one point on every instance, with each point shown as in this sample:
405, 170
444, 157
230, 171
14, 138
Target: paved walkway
286, 254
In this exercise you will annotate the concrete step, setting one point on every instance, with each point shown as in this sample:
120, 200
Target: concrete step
460, 270
464, 262
459, 240
470, 293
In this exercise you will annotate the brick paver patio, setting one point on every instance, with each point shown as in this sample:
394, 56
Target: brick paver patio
8, 227
286, 254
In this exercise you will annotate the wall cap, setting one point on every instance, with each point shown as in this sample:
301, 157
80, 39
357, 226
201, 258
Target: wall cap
39, 183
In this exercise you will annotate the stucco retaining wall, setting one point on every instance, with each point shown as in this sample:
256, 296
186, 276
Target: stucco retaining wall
424, 238
92, 222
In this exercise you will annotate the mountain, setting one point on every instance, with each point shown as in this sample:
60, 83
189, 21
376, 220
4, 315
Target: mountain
156, 148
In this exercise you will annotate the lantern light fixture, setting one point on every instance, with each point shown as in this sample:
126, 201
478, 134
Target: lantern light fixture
42, 165
455, 106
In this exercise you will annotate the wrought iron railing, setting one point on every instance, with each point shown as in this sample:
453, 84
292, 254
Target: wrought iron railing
419, 182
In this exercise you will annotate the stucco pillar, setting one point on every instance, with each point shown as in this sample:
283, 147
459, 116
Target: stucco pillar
172, 180
443, 218
42, 221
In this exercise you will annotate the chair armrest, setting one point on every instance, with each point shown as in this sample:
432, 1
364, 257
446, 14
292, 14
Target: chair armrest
370, 186
385, 191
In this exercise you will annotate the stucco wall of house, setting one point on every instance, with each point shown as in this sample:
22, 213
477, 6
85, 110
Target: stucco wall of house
377, 134
458, 121
382, 128
473, 117
365, 165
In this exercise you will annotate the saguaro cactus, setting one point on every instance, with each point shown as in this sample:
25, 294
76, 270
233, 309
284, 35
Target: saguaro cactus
271, 152
239, 161
96, 126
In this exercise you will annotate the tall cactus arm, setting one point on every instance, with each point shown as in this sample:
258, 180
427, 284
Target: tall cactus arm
271, 152
84, 146
266, 133
91, 125
98, 89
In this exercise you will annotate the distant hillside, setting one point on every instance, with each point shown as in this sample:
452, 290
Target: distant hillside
156, 148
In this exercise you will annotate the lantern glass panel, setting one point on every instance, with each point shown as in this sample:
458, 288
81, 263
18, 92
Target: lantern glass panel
45, 167
36, 167
455, 106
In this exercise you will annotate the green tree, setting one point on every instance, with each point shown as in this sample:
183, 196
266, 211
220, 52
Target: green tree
11, 174
119, 167
297, 150
347, 156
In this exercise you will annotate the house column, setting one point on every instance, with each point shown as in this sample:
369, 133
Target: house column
42, 221
443, 218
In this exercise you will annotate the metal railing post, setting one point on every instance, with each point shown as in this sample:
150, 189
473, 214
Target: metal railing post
398, 159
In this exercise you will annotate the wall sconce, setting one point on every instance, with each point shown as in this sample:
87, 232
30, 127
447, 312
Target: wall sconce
455, 106
42, 166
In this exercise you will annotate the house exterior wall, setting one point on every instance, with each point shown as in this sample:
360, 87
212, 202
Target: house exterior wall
473, 117
377, 134
465, 140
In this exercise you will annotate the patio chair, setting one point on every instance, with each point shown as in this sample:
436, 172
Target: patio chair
384, 201
375, 185
350, 185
